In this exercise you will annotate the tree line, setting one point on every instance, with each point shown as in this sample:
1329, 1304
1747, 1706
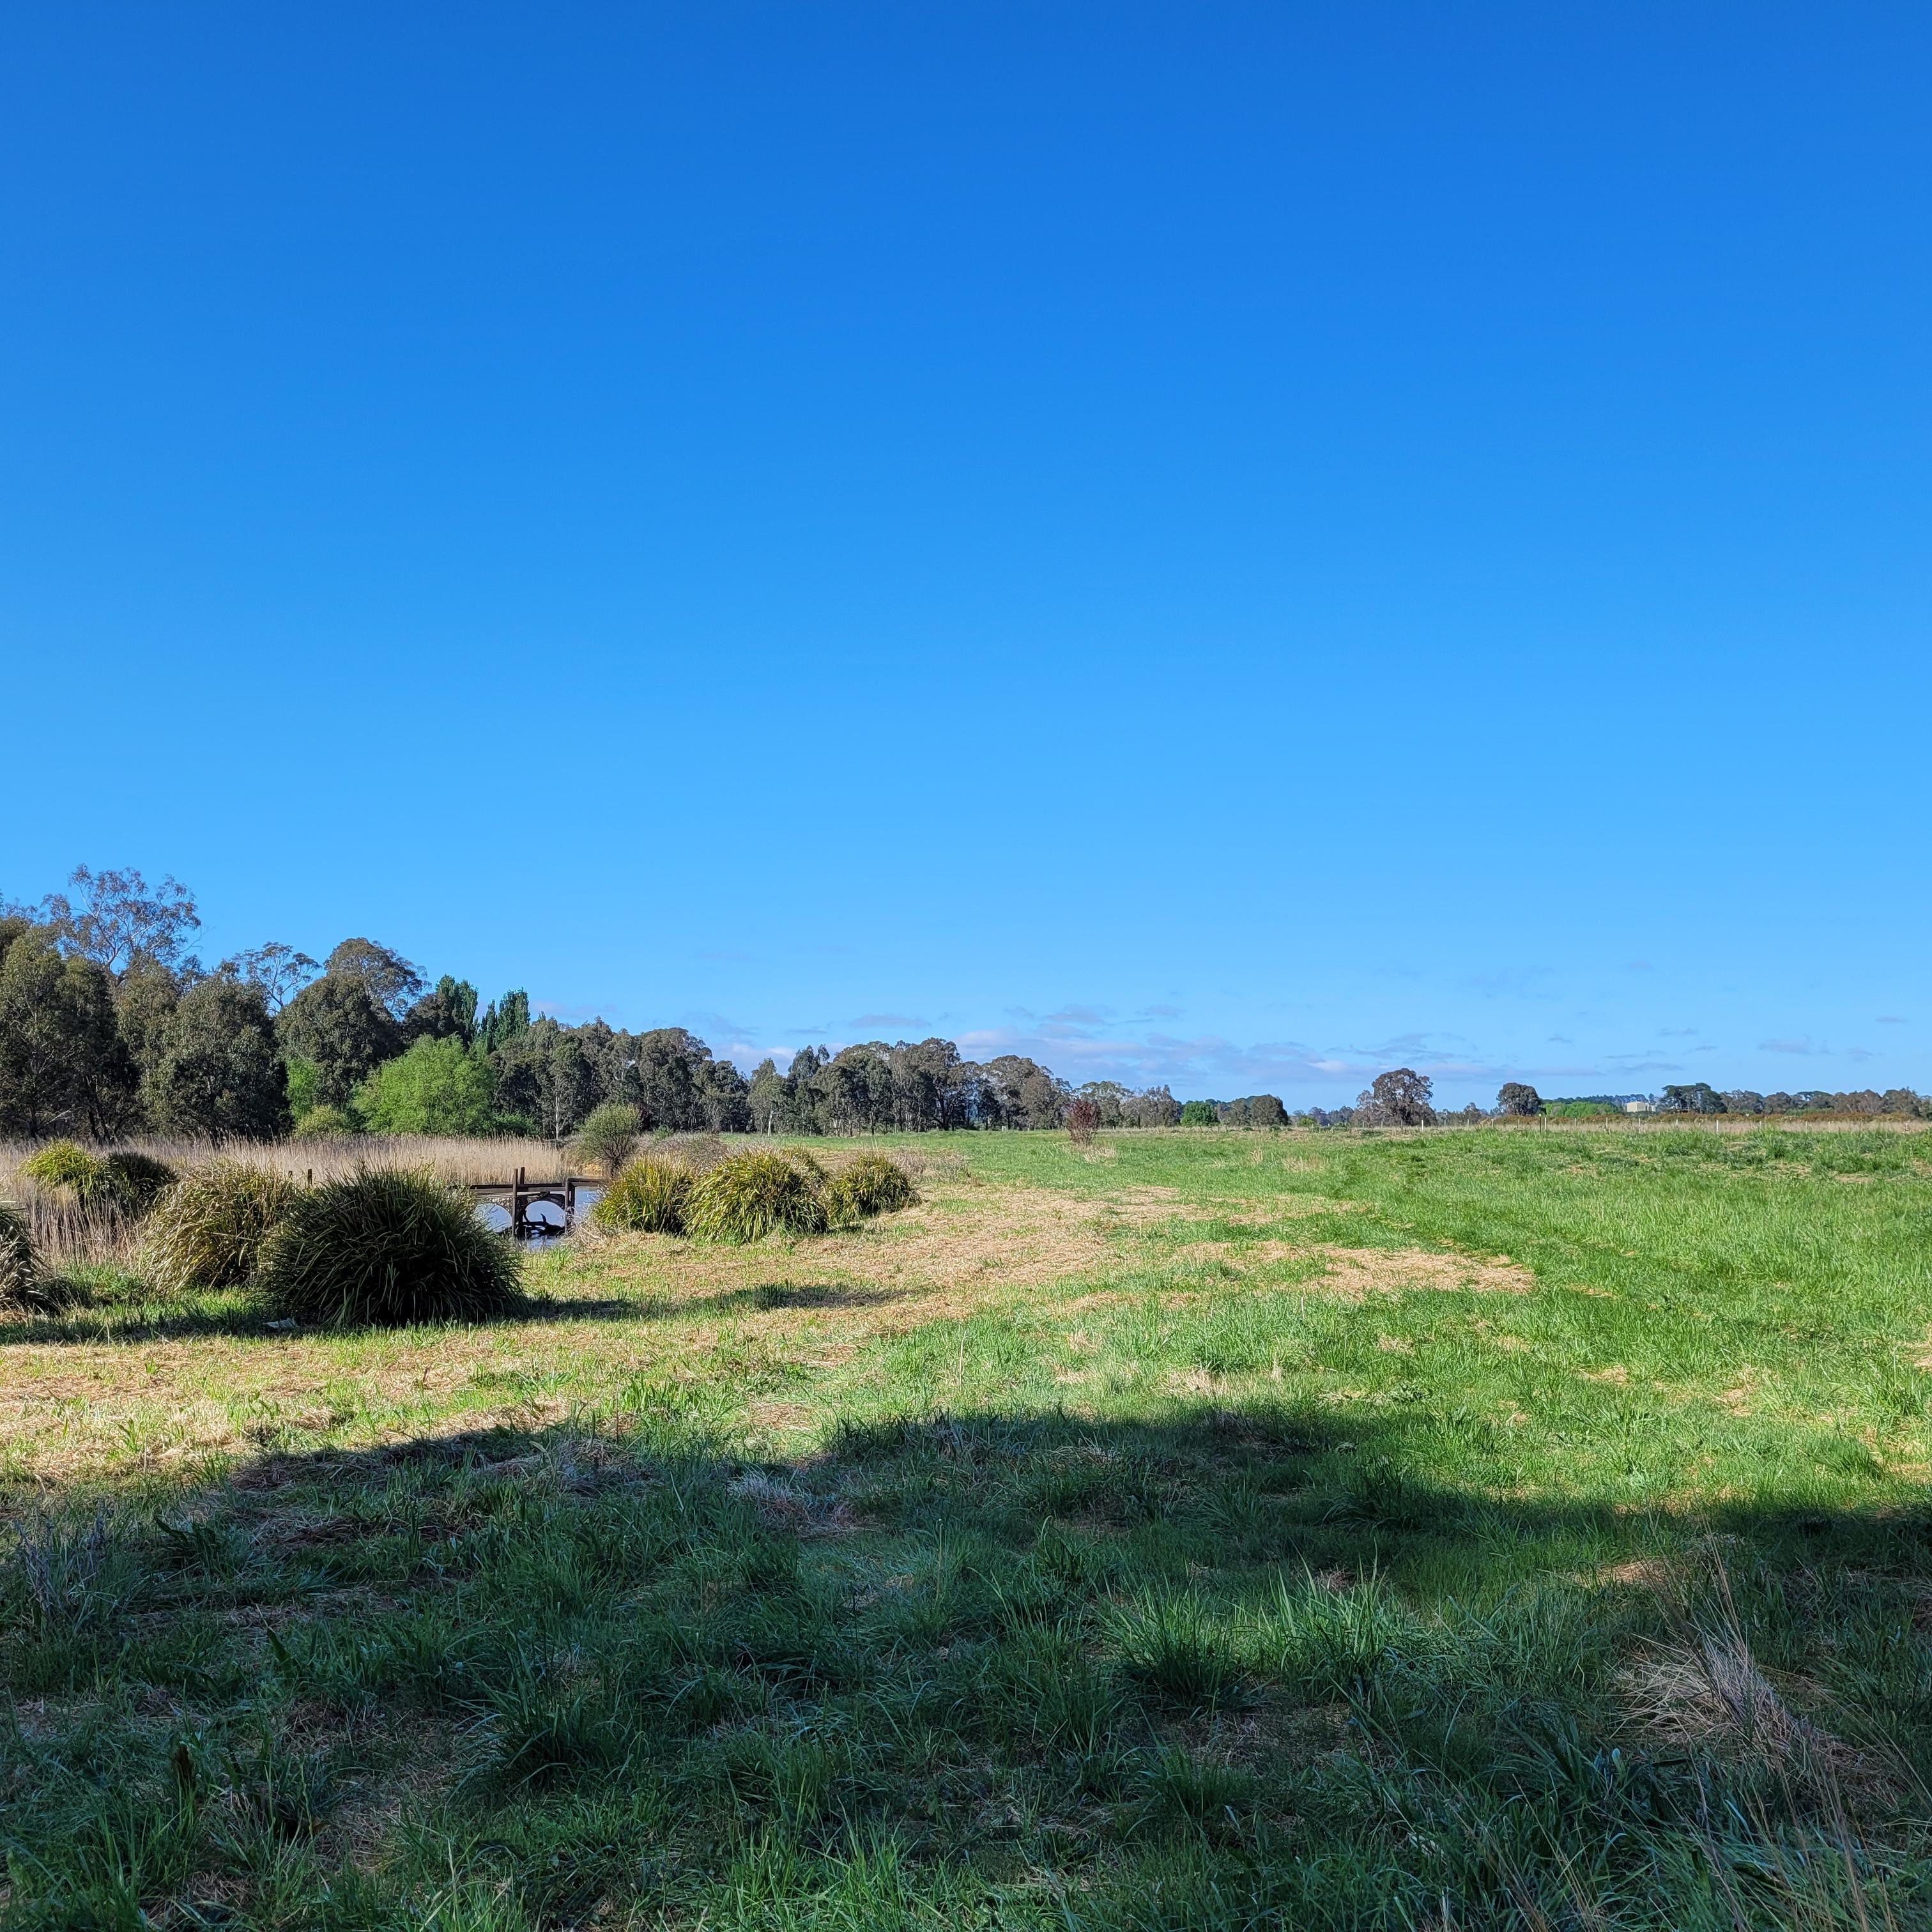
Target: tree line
109, 1024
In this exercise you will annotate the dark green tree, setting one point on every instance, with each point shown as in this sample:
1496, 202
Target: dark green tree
339, 1028
388, 979
1153, 1107
1697, 1098
63, 1063
547, 1076
1028, 1095
1516, 1099
503, 1020
218, 1075
447, 1012
1400, 1098
803, 1101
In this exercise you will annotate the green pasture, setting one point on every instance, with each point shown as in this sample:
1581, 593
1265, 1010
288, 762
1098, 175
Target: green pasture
1474, 1529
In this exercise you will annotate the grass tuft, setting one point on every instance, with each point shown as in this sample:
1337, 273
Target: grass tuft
387, 1245
648, 1197
1170, 1645
747, 1196
20, 1277
209, 1230
131, 1180
61, 1164
871, 1185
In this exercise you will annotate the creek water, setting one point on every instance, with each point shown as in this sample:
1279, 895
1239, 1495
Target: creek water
543, 1220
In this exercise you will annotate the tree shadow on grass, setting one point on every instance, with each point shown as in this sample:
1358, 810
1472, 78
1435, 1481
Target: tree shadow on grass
1238, 1667
96, 1323
764, 1296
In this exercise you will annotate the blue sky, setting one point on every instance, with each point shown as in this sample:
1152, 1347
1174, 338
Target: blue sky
1233, 545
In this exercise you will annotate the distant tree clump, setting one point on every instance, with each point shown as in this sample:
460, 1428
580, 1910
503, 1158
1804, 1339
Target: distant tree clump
384, 975
435, 1086
339, 1026
1518, 1101
1400, 1098
1698, 1098
1255, 1110
63, 1063
1152, 1107
447, 1012
1200, 1113
217, 1074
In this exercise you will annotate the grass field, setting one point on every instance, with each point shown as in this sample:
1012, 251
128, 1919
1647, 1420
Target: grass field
1477, 1529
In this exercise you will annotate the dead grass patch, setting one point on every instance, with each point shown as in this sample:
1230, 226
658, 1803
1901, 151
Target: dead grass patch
1355, 1273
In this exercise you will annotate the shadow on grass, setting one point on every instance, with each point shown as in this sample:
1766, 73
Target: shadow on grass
94, 1322
765, 1295
1233, 1667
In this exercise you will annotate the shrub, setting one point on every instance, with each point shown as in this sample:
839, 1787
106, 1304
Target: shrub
650, 1196
748, 1195
323, 1123
438, 1087
20, 1266
61, 1164
871, 1185
608, 1137
387, 1245
1199, 1113
1083, 1118
209, 1228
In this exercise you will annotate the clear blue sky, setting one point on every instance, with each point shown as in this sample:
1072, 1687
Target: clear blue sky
1237, 545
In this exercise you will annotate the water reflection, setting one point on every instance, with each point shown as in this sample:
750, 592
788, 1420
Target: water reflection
544, 1221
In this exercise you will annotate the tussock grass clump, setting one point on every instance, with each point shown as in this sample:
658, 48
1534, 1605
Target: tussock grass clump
747, 1196
1173, 1647
126, 1183
609, 1136
134, 1182
387, 1245
650, 1196
61, 1164
209, 1230
871, 1185
20, 1277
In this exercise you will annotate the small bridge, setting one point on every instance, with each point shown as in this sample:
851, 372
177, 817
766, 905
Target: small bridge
537, 1209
